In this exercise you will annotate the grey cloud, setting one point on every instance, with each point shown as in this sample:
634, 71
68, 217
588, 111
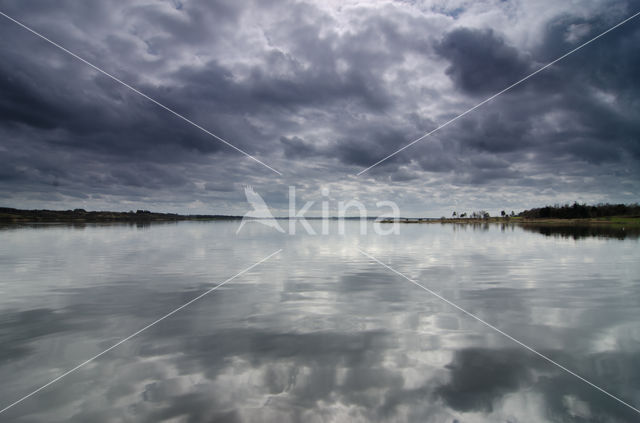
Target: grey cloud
481, 62
369, 144
295, 147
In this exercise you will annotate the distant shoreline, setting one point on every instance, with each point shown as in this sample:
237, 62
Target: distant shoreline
11, 215
609, 220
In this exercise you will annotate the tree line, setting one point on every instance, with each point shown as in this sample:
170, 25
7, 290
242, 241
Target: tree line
482, 214
582, 211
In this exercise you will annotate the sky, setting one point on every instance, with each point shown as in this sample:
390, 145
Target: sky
318, 91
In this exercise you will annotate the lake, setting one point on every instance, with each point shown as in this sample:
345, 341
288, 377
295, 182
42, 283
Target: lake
319, 332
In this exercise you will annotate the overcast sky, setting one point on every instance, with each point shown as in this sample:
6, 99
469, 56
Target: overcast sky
318, 91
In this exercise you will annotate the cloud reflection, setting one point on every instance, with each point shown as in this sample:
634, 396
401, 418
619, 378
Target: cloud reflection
328, 337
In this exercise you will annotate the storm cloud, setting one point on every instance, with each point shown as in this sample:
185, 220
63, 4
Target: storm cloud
318, 91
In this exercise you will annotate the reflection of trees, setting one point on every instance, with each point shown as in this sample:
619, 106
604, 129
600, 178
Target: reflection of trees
574, 231
476, 226
584, 231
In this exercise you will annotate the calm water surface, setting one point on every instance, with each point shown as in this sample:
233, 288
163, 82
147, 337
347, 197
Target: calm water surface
319, 332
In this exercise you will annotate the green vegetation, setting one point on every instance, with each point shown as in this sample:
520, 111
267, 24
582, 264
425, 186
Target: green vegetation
622, 220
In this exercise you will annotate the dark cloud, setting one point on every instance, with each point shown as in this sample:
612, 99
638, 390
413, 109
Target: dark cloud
481, 61
368, 144
297, 148
23, 103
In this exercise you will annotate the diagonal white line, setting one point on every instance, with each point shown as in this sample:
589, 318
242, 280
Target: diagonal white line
497, 94
489, 325
139, 92
84, 363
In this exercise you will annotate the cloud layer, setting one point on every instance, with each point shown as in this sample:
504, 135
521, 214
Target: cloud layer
319, 92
